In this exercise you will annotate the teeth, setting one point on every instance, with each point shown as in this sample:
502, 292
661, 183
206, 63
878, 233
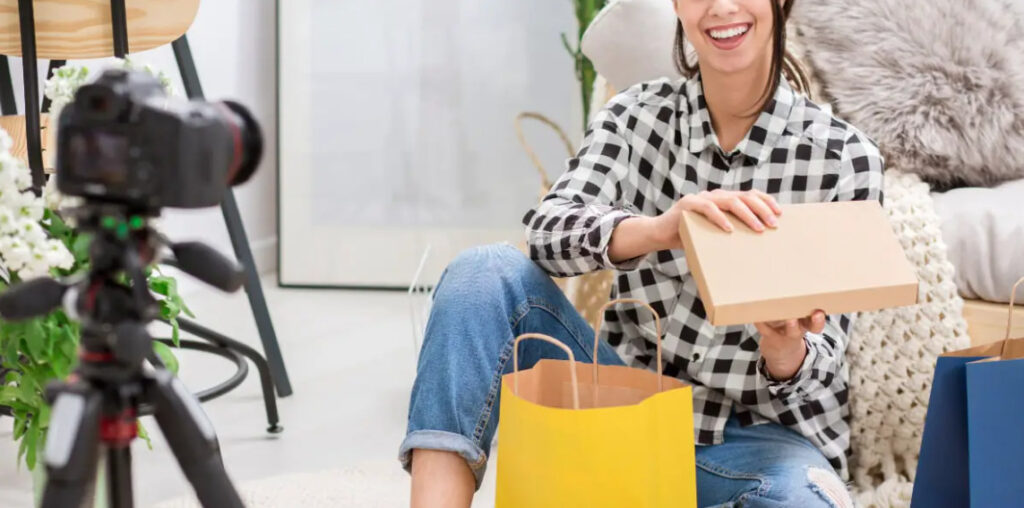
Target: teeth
732, 32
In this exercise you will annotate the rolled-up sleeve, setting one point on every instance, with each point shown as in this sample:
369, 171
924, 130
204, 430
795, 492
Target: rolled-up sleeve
821, 367
569, 231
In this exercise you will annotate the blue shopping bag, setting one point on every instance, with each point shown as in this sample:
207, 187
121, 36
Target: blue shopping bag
972, 450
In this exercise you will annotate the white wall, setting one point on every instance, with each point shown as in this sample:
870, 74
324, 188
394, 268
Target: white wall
232, 44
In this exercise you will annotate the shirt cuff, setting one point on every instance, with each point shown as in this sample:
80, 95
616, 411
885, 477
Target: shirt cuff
600, 237
799, 383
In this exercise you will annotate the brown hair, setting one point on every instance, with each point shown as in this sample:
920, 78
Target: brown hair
783, 63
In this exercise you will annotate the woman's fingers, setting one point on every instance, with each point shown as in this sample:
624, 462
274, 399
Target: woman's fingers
763, 328
760, 207
769, 200
739, 208
754, 208
815, 323
711, 211
793, 329
786, 328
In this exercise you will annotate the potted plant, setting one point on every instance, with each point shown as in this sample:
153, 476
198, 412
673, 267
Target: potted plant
585, 74
36, 241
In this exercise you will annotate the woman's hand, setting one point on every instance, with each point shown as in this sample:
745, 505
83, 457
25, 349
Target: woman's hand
639, 236
782, 343
753, 207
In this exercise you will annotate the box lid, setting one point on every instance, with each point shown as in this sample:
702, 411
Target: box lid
839, 256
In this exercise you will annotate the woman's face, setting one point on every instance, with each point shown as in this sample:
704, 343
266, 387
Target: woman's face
729, 35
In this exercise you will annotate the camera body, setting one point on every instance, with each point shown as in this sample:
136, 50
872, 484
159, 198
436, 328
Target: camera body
123, 140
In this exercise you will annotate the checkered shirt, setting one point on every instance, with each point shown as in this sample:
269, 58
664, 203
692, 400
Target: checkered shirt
648, 147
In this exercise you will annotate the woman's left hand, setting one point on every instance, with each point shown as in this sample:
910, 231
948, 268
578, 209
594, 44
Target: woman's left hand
782, 343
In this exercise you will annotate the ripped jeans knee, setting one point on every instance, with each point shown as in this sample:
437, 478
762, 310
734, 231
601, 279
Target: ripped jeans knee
826, 484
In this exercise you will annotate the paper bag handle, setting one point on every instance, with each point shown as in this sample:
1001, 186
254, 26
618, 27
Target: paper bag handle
657, 326
545, 338
1009, 318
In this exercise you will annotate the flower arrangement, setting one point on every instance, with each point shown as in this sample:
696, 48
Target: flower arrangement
36, 241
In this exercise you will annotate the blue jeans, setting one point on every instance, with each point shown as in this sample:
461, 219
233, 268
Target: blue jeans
488, 296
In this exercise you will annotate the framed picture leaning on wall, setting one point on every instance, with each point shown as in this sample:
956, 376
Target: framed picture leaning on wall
395, 125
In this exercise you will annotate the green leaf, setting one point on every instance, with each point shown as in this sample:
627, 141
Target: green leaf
175, 332
143, 435
167, 356
20, 426
55, 225
163, 285
169, 309
44, 417
7, 395
11, 348
51, 334
22, 448
80, 248
32, 438
28, 390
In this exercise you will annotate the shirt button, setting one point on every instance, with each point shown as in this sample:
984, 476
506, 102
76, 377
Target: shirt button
696, 357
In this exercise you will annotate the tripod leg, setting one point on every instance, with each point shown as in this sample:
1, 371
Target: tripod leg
72, 447
192, 439
119, 476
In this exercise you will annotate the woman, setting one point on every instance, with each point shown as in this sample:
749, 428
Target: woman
770, 399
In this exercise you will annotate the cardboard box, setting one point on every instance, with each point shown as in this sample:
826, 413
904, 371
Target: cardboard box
838, 257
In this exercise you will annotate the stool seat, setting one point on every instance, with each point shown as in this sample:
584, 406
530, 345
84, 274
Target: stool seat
74, 29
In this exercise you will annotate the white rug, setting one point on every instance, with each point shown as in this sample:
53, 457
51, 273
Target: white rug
371, 485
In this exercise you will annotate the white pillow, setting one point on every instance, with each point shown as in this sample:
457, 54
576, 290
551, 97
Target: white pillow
984, 230
630, 41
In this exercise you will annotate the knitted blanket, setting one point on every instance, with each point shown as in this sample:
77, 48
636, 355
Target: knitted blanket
892, 353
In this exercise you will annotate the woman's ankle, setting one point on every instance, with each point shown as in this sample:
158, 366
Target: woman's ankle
441, 479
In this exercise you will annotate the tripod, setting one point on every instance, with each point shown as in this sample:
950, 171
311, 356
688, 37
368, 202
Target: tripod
118, 375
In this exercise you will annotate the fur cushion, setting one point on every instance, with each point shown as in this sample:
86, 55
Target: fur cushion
939, 84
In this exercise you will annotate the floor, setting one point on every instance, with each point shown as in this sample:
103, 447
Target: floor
351, 359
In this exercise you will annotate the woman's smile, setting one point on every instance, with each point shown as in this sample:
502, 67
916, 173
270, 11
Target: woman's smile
728, 37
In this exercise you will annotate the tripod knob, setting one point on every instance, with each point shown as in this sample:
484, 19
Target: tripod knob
32, 298
206, 264
132, 343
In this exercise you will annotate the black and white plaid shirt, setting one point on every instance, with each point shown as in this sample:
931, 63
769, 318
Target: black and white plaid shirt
653, 144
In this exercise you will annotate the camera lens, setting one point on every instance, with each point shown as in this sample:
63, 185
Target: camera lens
248, 142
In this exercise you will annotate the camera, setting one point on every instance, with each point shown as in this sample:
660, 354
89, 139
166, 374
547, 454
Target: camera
122, 140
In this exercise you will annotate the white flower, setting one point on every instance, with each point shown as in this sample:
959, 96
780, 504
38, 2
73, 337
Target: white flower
31, 232
10, 167
56, 201
5, 141
7, 221
15, 252
61, 87
29, 206
57, 254
35, 267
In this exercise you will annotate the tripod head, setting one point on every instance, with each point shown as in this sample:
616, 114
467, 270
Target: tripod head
112, 300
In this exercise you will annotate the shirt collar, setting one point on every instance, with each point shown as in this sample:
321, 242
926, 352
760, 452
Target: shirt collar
758, 142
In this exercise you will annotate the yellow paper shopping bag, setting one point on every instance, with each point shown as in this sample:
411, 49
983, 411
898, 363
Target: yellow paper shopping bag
583, 435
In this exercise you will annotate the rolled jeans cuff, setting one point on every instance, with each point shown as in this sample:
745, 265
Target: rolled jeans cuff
439, 440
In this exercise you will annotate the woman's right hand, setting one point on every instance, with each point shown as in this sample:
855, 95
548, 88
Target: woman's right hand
641, 235
755, 208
